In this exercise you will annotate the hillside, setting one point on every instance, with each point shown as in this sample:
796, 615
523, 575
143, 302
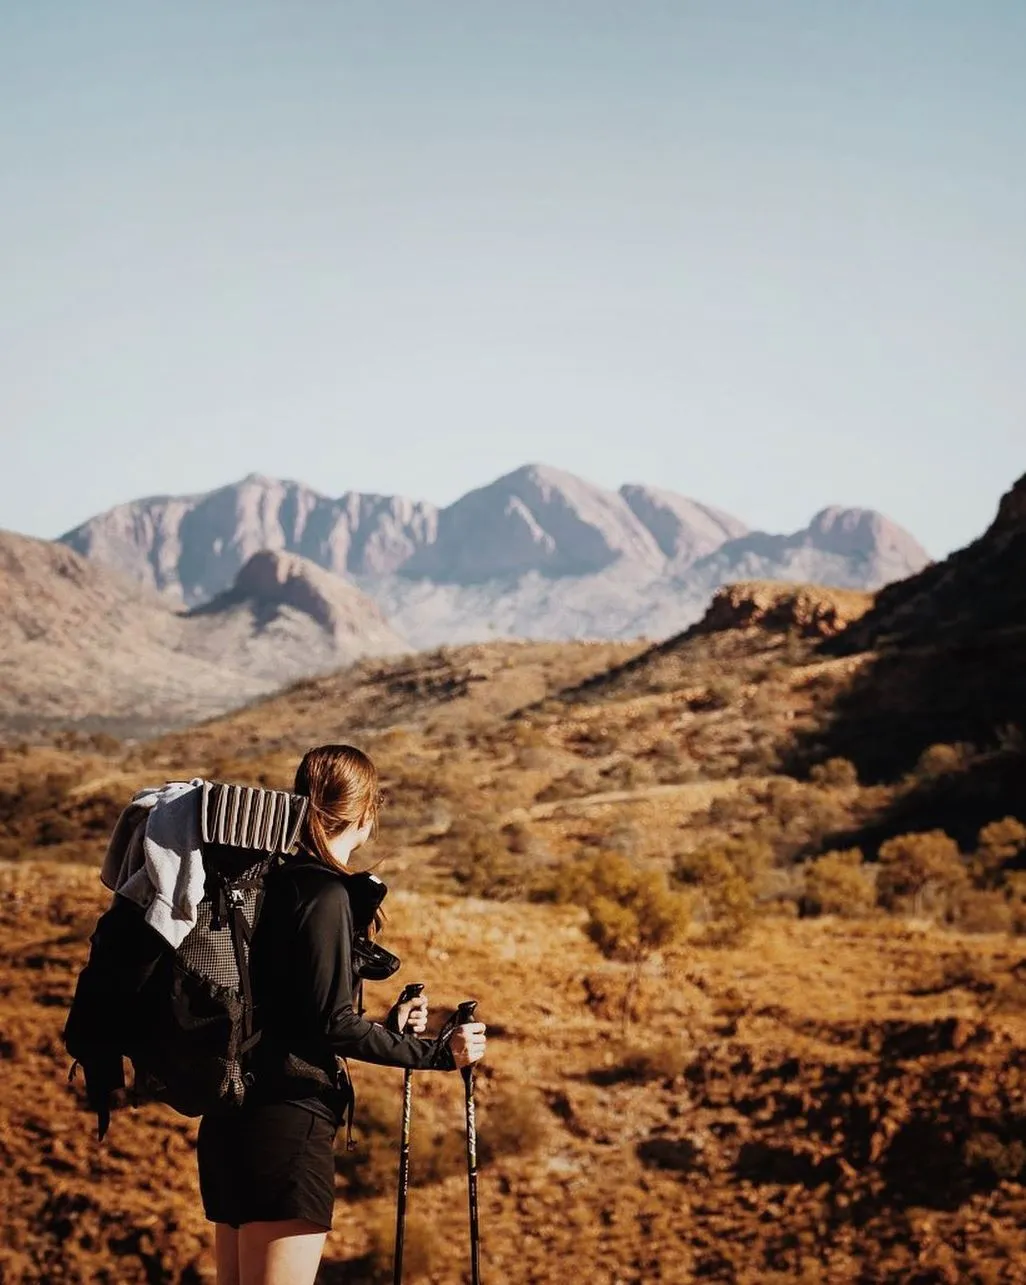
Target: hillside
286, 618
80, 646
949, 650
538, 553
819, 1105
820, 1076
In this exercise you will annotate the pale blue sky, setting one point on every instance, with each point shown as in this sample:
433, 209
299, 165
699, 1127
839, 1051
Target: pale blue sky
768, 253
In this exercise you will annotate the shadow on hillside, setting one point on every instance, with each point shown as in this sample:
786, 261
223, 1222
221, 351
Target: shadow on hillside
904, 701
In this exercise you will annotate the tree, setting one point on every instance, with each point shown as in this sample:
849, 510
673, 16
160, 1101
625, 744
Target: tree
631, 914
916, 867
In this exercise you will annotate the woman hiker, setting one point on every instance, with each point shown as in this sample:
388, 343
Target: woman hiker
266, 1169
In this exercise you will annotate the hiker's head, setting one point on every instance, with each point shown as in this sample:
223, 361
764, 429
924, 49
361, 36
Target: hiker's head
342, 785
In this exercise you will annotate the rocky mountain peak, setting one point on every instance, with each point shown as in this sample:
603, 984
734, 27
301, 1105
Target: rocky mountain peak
538, 519
192, 547
862, 533
683, 529
271, 581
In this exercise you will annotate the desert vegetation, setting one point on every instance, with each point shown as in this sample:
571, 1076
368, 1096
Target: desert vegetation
740, 983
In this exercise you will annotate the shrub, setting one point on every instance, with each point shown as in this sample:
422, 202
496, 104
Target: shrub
988, 1153
723, 875
835, 773
631, 914
783, 799
721, 693
663, 1061
980, 911
942, 760
421, 1245
628, 774
578, 782
641, 920
750, 857
513, 1123
998, 843
920, 871
726, 809
482, 863
839, 884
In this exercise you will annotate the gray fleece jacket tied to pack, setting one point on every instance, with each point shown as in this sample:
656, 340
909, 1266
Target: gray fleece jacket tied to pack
155, 857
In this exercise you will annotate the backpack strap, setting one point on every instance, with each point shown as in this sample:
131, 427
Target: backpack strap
241, 936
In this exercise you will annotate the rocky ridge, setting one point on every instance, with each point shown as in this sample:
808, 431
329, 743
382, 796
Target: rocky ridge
978, 588
191, 548
810, 610
947, 649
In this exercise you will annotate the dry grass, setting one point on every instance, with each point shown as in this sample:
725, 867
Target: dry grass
784, 1077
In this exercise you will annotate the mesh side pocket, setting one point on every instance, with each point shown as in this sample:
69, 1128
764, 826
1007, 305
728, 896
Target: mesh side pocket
208, 952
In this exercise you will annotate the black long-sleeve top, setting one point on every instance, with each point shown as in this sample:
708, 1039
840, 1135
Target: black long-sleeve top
303, 989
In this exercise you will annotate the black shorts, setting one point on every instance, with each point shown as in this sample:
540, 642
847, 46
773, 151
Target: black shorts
267, 1164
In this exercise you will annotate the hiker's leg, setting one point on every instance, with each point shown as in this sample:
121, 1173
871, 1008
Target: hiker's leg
280, 1253
226, 1254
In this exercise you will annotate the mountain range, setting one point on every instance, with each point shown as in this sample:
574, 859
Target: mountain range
538, 553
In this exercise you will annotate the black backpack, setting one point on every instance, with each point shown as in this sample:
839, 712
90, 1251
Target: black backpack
184, 1018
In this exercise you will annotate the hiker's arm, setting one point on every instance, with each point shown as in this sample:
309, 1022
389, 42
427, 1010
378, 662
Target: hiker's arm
325, 962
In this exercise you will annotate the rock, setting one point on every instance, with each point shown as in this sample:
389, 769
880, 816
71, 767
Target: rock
810, 610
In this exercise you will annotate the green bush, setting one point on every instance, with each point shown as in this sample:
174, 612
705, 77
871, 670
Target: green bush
484, 861
721, 693
513, 1123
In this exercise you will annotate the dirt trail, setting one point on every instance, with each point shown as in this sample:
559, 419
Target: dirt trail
690, 797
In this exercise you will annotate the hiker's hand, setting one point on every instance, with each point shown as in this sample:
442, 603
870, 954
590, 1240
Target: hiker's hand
412, 1017
468, 1043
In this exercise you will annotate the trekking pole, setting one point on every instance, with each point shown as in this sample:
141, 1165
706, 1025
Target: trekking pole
409, 992
464, 1014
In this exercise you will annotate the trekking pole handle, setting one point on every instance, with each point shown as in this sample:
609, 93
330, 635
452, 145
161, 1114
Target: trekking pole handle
465, 1012
412, 990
